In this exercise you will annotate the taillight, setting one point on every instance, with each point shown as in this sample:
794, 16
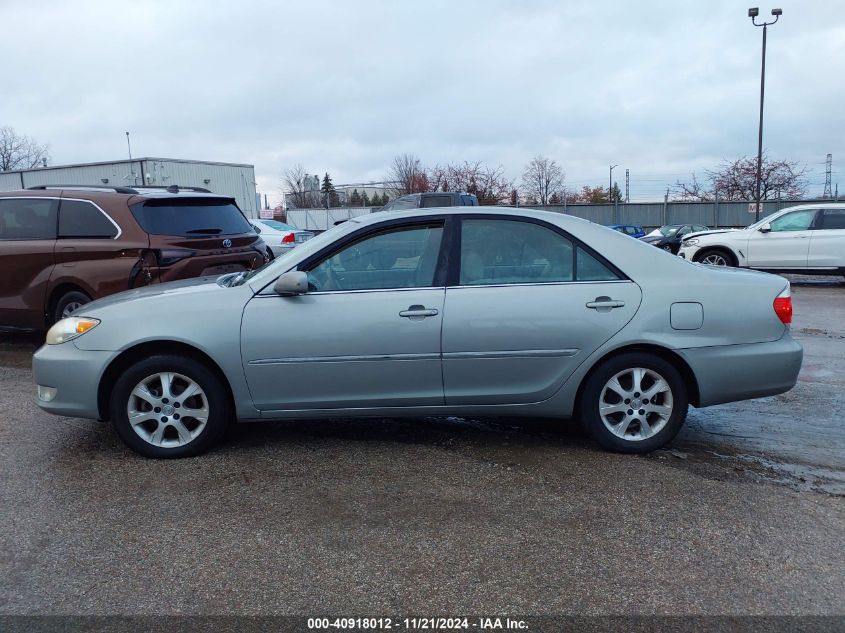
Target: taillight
290, 238
783, 306
169, 256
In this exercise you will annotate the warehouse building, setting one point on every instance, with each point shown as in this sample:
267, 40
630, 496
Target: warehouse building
230, 179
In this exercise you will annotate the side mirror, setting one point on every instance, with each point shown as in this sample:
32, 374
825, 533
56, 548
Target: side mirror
291, 283
766, 228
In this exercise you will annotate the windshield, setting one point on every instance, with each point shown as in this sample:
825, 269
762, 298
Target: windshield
191, 217
286, 261
768, 218
275, 224
669, 231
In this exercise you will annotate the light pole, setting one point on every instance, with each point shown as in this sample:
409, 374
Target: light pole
610, 184
610, 192
753, 13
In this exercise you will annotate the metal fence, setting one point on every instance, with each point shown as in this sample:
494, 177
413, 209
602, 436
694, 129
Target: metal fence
654, 214
647, 214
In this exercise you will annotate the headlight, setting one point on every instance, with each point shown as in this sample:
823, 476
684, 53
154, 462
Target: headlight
69, 328
690, 242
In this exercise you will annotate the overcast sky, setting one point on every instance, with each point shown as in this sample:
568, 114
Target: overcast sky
660, 88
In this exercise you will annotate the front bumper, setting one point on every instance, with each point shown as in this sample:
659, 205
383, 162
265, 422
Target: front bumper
728, 373
75, 376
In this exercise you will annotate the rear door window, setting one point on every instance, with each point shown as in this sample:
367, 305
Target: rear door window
191, 217
27, 219
78, 218
833, 219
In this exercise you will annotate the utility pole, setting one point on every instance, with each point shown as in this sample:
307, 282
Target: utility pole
753, 13
627, 185
610, 183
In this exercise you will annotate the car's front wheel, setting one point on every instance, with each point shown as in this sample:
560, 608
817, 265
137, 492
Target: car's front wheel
169, 406
634, 403
716, 257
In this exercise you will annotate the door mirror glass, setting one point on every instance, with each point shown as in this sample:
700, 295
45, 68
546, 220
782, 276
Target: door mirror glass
765, 228
291, 283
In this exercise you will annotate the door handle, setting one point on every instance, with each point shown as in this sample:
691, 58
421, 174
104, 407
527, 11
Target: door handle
603, 304
418, 312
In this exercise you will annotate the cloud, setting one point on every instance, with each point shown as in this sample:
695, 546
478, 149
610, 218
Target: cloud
660, 88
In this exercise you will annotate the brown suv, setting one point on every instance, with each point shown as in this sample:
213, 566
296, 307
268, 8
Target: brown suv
63, 246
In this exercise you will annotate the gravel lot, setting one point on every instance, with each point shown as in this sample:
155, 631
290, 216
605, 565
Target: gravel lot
743, 515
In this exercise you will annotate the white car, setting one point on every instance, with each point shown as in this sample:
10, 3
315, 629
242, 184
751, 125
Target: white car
808, 239
278, 236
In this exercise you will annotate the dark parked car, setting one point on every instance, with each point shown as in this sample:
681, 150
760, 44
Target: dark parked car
634, 230
63, 246
427, 200
669, 236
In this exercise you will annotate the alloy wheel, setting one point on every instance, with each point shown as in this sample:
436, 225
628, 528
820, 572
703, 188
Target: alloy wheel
167, 409
636, 404
70, 308
715, 259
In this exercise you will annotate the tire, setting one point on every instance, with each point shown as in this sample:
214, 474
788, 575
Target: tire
67, 303
717, 257
269, 256
167, 430
668, 249
663, 417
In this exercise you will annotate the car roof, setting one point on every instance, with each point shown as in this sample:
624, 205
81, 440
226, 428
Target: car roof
135, 191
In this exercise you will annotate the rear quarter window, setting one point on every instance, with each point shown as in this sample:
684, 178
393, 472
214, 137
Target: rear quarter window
190, 217
81, 219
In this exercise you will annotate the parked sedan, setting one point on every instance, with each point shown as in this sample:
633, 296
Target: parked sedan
633, 230
808, 239
460, 311
279, 237
668, 237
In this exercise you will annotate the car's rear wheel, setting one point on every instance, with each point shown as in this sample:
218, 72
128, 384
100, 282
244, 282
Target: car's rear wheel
634, 403
68, 303
269, 256
716, 257
169, 406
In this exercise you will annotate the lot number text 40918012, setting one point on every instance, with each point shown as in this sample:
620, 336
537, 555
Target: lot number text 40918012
420, 623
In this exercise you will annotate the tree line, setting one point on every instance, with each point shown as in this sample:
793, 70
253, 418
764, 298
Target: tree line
543, 182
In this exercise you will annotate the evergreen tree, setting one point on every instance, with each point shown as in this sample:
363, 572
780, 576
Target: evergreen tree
365, 200
355, 200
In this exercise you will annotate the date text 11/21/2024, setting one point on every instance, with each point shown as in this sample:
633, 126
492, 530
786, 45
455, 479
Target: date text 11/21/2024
419, 623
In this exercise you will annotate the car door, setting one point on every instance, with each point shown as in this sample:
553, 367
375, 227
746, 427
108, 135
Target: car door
27, 241
786, 245
827, 244
525, 307
366, 334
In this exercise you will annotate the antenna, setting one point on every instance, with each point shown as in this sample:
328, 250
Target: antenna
128, 146
827, 170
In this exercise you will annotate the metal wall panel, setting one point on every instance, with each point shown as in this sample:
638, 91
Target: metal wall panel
237, 181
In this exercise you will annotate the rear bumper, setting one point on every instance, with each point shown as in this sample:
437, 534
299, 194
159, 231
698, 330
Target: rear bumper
74, 374
728, 373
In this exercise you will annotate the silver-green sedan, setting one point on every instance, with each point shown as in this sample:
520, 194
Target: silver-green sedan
468, 311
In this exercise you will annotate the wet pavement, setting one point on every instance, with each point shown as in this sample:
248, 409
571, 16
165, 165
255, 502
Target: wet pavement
742, 514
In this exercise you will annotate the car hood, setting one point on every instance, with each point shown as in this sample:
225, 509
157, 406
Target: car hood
711, 232
651, 239
197, 284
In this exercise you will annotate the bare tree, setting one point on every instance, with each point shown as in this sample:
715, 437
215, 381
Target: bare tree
541, 179
301, 189
407, 175
18, 151
486, 183
737, 180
